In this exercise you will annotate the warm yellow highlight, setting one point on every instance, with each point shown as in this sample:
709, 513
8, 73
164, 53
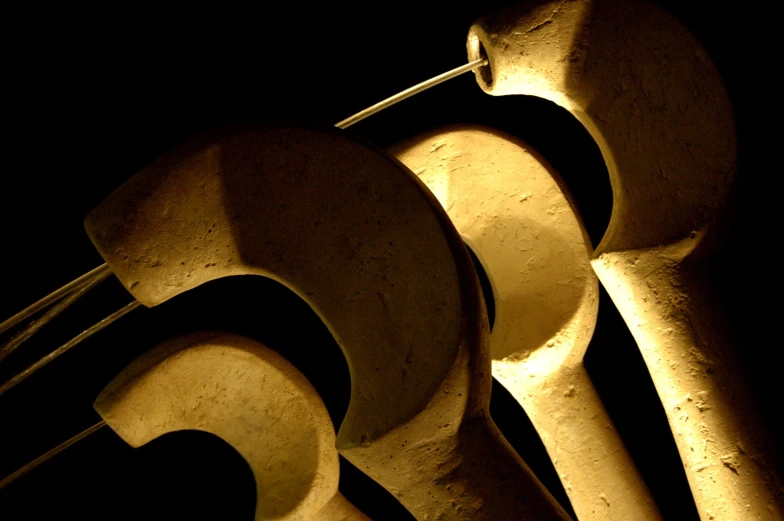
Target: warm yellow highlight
250, 397
696, 381
654, 103
513, 212
355, 234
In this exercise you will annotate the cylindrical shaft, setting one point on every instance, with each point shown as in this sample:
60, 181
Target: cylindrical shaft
727, 453
597, 471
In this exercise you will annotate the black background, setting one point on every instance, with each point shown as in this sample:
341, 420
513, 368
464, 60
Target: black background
93, 96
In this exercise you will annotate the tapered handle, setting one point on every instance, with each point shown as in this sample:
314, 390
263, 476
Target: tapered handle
721, 437
597, 471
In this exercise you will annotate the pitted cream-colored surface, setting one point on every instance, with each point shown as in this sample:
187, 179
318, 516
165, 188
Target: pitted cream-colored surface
359, 238
337, 222
654, 103
512, 210
247, 395
514, 215
646, 91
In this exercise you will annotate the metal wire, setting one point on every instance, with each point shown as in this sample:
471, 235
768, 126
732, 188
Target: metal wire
104, 269
416, 89
22, 376
55, 310
54, 297
49, 454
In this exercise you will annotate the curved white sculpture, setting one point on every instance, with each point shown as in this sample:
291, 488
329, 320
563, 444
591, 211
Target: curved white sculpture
252, 398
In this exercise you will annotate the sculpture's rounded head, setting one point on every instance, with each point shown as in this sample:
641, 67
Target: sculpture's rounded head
247, 395
344, 225
511, 208
644, 88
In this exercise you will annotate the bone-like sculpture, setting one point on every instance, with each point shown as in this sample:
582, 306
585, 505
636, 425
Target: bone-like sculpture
512, 211
358, 237
253, 399
653, 101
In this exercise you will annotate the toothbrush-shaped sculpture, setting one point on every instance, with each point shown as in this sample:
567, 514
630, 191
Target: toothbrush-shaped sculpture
512, 209
655, 104
253, 399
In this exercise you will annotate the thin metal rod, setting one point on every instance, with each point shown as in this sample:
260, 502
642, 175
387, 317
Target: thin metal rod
13, 382
49, 454
416, 89
55, 310
54, 297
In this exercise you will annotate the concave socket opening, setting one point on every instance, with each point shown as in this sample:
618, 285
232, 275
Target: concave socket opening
476, 51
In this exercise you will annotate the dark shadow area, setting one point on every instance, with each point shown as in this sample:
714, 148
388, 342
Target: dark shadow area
182, 475
487, 288
370, 497
618, 371
55, 405
522, 436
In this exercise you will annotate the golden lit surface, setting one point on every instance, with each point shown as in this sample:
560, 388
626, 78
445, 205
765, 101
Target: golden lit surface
253, 399
654, 103
419, 361
511, 210
172, 92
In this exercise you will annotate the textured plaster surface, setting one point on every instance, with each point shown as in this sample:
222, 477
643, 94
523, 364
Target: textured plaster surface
653, 101
360, 239
513, 211
252, 398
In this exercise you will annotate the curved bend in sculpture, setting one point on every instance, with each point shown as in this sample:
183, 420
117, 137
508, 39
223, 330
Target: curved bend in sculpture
512, 210
253, 399
651, 98
358, 237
